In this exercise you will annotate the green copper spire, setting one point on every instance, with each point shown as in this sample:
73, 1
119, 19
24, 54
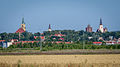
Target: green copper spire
23, 21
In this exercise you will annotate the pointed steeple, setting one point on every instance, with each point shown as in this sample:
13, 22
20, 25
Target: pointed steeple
23, 21
49, 27
100, 21
23, 25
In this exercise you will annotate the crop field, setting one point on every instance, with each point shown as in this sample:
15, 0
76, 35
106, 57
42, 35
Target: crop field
102, 60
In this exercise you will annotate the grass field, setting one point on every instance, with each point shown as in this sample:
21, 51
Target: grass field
105, 60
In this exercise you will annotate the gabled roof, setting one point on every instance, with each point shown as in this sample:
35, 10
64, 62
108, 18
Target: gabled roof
20, 30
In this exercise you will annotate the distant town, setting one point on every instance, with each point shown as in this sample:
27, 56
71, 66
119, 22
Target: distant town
101, 37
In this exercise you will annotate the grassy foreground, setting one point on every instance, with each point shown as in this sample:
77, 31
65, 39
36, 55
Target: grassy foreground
105, 60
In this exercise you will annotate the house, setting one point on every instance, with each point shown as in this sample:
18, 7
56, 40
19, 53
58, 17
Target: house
97, 43
59, 35
24, 42
2, 40
67, 42
61, 39
5, 44
28, 42
101, 38
90, 38
42, 37
118, 39
58, 42
1, 43
13, 40
111, 42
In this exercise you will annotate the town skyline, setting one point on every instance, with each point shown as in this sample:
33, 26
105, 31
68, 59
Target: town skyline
68, 15
50, 29
89, 28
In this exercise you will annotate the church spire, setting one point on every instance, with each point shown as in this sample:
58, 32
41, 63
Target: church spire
49, 29
100, 21
23, 25
23, 21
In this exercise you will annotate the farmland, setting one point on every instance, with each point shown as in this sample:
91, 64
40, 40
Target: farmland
102, 60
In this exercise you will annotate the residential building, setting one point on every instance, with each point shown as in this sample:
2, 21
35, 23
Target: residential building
59, 35
97, 43
5, 44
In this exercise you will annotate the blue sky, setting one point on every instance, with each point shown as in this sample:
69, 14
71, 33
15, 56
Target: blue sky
61, 14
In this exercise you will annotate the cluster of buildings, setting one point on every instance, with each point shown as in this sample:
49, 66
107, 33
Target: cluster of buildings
88, 28
100, 29
22, 29
110, 42
6, 44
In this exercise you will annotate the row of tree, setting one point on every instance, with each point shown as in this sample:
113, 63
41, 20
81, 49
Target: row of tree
51, 46
71, 35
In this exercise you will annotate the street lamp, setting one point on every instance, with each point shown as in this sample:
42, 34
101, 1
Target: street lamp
40, 43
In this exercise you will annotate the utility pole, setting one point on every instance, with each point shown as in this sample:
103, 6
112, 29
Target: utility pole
40, 43
83, 41
19, 36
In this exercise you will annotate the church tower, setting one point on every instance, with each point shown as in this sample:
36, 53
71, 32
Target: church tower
88, 28
49, 29
23, 25
101, 26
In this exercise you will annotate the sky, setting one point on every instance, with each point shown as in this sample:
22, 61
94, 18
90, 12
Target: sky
61, 14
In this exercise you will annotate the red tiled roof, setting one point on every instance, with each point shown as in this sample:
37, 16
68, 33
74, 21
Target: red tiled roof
2, 40
67, 42
41, 33
97, 42
24, 42
16, 43
29, 41
59, 42
20, 30
43, 37
118, 42
35, 37
61, 38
